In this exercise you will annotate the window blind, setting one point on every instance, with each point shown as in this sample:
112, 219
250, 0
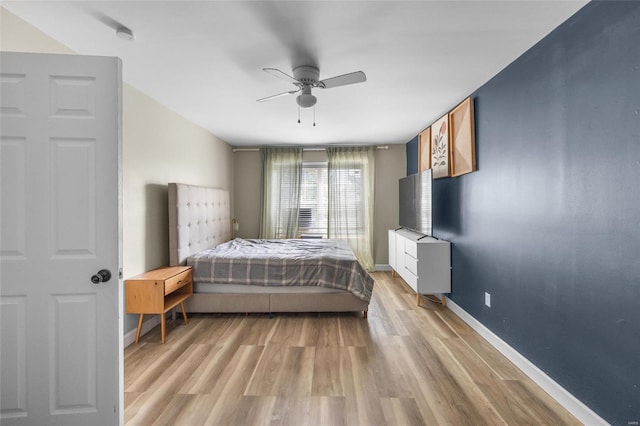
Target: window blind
313, 217
314, 201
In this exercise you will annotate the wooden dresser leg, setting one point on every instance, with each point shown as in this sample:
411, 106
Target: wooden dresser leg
139, 327
443, 300
365, 314
418, 299
162, 327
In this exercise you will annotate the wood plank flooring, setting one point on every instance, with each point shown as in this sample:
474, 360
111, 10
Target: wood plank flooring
404, 365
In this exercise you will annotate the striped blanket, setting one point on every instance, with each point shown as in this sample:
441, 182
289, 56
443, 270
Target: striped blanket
324, 263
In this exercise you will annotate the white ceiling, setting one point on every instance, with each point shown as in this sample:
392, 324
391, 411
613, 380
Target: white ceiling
204, 59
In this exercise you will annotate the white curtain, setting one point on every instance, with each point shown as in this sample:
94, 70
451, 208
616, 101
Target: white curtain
281, 171
351, 181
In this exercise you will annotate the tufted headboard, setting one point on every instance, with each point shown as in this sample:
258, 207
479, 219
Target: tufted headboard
199, 218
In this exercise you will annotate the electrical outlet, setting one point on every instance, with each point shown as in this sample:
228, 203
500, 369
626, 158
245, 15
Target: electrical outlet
487, 299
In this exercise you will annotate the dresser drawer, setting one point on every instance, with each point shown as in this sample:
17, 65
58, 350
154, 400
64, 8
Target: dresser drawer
411, 248
411, 279
411, 264
177, 281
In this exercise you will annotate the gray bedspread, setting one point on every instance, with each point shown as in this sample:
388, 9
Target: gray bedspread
323, 263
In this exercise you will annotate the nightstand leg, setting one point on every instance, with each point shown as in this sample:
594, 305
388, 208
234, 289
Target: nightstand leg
418, 299
139, 327
184, 313
162, 326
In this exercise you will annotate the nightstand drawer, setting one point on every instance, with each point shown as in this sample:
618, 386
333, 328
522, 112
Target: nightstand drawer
174, 283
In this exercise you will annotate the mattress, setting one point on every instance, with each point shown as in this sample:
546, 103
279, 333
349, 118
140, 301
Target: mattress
286, 263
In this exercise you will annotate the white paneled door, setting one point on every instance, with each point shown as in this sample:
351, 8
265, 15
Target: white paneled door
60, 317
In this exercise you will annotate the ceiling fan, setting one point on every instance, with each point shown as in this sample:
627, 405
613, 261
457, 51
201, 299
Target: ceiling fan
305, 78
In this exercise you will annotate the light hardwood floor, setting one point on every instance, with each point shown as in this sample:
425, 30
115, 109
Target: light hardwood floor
404, 365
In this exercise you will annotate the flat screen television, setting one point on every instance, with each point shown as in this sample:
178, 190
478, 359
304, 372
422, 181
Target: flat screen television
415, 202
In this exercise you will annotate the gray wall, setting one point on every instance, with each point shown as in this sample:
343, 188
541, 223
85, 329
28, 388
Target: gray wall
247, 184
550, 222
390, 166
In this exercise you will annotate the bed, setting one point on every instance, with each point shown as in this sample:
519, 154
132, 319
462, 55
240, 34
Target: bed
200, 230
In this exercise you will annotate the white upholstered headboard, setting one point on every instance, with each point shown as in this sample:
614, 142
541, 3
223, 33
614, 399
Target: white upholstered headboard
199, 218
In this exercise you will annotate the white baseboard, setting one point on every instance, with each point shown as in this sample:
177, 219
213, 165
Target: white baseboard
557, 392
381, 267
130, 337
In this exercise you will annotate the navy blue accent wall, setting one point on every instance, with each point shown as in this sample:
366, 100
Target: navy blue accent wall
550, 222
412, 156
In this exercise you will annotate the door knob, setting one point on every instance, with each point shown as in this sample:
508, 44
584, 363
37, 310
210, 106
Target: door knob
102, 276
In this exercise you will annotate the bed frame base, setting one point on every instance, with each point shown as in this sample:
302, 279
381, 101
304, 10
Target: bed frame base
275, 302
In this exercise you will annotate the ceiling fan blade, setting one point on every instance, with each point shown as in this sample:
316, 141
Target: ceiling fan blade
343, 80
268, 98
277, 73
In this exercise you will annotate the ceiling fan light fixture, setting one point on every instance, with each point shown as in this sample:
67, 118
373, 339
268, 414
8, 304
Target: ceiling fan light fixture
305, 78
306, 100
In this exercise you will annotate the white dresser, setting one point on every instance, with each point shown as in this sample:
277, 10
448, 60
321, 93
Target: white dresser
423, 262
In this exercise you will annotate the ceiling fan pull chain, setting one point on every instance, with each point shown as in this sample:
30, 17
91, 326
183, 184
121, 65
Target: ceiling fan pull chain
314, 116
298, 114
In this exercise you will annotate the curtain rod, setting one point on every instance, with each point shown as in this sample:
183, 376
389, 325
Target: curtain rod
304, 149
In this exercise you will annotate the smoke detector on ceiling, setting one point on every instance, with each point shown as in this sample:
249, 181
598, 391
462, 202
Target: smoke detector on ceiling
125, 33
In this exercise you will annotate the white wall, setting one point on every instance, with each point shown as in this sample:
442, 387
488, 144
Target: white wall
18, 36
159, 146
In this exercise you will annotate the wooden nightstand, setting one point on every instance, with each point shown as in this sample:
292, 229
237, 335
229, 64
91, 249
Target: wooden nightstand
157, 291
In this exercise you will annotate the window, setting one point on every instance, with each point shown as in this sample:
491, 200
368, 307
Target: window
313, 217
332, 199
314, 201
